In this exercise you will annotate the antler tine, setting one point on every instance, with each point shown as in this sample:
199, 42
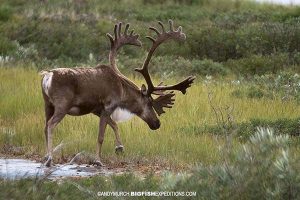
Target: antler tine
179, 29
119, 40
155, 30
162, 26
131, 32
151, 38
171, 25
110, 38
126, 29
115, 31
119, 29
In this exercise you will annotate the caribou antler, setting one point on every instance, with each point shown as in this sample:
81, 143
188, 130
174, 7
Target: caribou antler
120, 40
165, 100
162, 37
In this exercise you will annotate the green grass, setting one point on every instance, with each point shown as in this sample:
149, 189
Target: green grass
175, 143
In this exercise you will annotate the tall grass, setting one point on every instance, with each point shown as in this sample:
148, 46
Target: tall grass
21, 112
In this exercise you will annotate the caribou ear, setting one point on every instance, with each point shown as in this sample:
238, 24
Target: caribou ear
144, 90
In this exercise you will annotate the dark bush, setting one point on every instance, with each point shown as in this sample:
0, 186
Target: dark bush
268, 38
5, 12
259, 64
213, 43
60, 40
227, 40
7, 47
208, 67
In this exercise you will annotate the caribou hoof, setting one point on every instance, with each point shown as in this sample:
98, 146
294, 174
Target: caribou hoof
46, 157
98, 163
48, 162
119, 149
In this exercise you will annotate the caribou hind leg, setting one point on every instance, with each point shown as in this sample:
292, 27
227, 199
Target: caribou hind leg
49, 111
52, 123
60, 112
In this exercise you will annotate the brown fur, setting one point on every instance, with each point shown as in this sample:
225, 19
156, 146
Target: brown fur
99, 90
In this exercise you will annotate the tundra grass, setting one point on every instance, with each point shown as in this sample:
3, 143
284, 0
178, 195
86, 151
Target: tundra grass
22, 122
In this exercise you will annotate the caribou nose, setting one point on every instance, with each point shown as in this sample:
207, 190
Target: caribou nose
155, 125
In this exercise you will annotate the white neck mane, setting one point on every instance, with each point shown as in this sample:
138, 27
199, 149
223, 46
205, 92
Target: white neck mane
121, 115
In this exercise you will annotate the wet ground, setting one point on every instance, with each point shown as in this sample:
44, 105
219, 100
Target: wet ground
22, 168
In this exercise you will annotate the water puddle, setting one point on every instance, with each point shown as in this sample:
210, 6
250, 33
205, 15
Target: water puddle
21, 168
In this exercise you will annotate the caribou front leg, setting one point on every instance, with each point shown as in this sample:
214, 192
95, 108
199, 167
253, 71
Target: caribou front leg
102, 126
119, 146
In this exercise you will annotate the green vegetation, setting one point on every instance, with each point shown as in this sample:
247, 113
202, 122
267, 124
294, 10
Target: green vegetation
238, 36
246, 57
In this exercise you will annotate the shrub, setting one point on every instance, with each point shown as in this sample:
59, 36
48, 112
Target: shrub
258, 64
7, 47
213, 43
59, 40
285, 84
263, 168
208, 67
245, 130
26, 53
5, 12
267, 38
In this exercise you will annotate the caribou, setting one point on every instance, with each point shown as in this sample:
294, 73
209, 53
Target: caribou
105, 92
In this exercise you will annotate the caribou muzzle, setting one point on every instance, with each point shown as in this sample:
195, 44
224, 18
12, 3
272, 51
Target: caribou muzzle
154, 125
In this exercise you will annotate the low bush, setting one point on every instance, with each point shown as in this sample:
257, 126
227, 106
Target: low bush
7, 47
259, 64
285, 85
208, 67
245, 130
5, 12
213, 43
263, 168
268, 38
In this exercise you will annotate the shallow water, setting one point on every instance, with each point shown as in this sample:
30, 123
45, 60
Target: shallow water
21, 168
